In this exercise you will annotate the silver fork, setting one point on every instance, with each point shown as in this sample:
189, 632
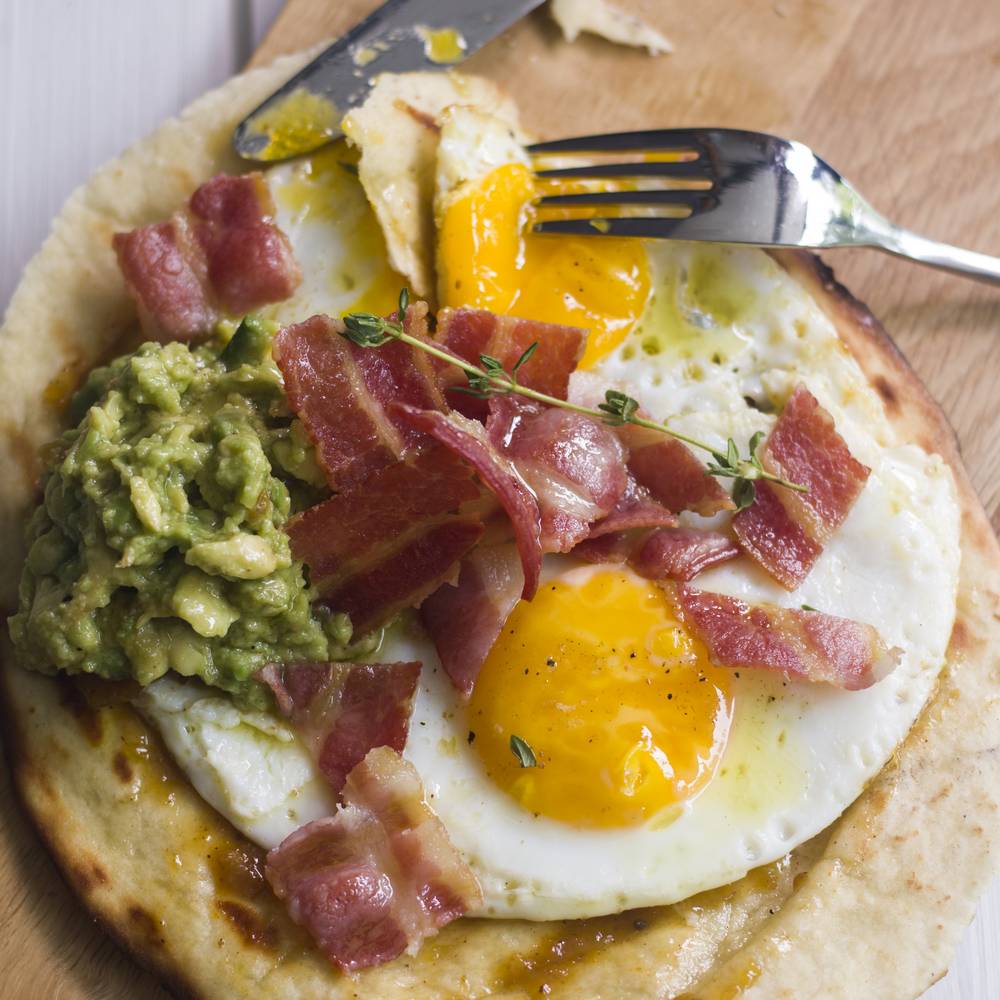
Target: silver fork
731, 186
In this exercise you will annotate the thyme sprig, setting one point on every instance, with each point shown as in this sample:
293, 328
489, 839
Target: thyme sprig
490, 378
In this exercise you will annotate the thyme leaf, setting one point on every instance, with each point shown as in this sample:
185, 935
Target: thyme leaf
523, 752
618, 408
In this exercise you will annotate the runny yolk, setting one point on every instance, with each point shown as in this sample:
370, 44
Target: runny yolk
626, 716
489, 259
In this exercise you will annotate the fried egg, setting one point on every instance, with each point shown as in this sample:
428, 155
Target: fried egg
658, 774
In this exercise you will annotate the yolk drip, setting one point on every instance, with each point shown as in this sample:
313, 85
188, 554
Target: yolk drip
488, 259
626, 716
298, 123
442, 45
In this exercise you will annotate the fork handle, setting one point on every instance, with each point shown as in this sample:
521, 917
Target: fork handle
968, 263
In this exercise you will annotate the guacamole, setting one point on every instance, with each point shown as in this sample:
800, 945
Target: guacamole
159, 544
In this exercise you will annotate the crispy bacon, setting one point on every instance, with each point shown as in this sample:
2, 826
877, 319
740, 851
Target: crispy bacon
343, 393
397, 372
166, 280
805, 644
379, 877
574, 465
610, 547
662, 554
635, 508
249, 259
671, 473
468, 439
388, 544
465, 618
222, 255
327, 391
343, 710
681, 553
414, 570
471, 332
783, 530
768, 534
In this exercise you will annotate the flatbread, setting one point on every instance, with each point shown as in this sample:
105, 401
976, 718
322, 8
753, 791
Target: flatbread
871, 908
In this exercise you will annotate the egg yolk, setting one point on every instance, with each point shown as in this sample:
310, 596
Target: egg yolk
489, 259
625, 715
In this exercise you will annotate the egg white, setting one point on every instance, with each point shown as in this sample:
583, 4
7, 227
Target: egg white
248, 765
323, 211
725, 337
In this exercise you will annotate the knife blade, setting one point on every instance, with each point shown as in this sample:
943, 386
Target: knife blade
400, 36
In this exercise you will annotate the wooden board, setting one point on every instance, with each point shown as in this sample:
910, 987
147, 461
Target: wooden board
899, 94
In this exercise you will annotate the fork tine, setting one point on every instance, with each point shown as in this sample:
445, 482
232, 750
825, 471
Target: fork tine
651, 228
698, 200
687, 168
660, 139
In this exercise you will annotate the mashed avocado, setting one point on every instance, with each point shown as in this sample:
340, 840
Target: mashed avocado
159, 543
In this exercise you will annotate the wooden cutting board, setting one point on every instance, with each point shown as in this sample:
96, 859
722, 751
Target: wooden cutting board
901, 95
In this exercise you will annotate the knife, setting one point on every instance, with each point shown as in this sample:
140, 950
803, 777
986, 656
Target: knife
400, 36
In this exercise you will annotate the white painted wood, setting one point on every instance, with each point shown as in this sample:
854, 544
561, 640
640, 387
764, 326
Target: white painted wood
975, 972
262, 15
81, 79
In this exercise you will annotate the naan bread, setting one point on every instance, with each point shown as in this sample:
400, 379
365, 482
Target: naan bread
872, 908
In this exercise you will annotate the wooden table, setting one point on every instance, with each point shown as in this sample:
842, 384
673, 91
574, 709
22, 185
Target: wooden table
902, 95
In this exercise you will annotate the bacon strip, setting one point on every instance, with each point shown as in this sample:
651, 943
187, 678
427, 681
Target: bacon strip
328, 393
343, 395
681, 553
772, 538
379, 877
664, 554
614, 547
783, 530
166, 280
249, 259
468, 439
635, 508
471, 332
222, 255
465, 618
574, 465
671, 473
397, 372
803, 644
343, 710
388, 544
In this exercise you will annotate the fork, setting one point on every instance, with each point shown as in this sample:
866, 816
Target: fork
726, 186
